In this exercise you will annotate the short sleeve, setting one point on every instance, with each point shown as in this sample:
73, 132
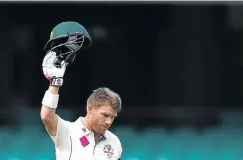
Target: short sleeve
120, 154
62, 134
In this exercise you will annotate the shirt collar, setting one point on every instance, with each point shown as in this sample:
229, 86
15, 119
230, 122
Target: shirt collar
85, 130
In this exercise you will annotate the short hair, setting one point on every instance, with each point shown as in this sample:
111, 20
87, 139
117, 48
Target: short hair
103, 96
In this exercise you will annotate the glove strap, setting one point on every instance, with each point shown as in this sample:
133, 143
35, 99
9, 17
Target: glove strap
56, 81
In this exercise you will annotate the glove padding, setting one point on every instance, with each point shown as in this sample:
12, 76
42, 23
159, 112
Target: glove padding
53, 73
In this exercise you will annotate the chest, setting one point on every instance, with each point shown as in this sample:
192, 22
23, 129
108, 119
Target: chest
91, 150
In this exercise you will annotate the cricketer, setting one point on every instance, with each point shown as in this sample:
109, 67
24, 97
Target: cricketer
88, 138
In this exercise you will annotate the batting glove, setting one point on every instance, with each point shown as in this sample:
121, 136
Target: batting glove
53, 73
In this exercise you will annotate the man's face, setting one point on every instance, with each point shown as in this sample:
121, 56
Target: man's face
102, 117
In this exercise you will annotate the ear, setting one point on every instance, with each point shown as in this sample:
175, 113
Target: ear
89, 108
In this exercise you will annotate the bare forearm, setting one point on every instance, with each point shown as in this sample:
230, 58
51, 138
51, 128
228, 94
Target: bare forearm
53, 90
48, 114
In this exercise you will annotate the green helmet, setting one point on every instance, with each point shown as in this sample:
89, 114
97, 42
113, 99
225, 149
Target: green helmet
66, 39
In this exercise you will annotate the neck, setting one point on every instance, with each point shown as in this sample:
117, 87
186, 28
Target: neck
87, 124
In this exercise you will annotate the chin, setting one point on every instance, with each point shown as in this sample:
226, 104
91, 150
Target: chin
102, 131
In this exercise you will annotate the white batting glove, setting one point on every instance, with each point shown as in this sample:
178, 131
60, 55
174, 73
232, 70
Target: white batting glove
51, 72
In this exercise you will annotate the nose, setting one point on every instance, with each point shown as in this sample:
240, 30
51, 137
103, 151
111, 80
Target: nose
108, 121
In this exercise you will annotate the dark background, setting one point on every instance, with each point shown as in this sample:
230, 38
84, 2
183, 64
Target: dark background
172, 64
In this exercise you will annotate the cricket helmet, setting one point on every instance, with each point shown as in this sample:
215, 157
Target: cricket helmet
66, 39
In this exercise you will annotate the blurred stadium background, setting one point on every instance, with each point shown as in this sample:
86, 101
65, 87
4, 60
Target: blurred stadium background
177, 67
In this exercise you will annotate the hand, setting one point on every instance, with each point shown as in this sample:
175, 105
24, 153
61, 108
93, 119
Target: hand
51, 71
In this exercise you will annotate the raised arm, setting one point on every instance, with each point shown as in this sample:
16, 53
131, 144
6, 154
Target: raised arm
48, 115
53, 123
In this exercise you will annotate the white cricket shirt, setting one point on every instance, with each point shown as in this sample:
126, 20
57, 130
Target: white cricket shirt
69, 145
